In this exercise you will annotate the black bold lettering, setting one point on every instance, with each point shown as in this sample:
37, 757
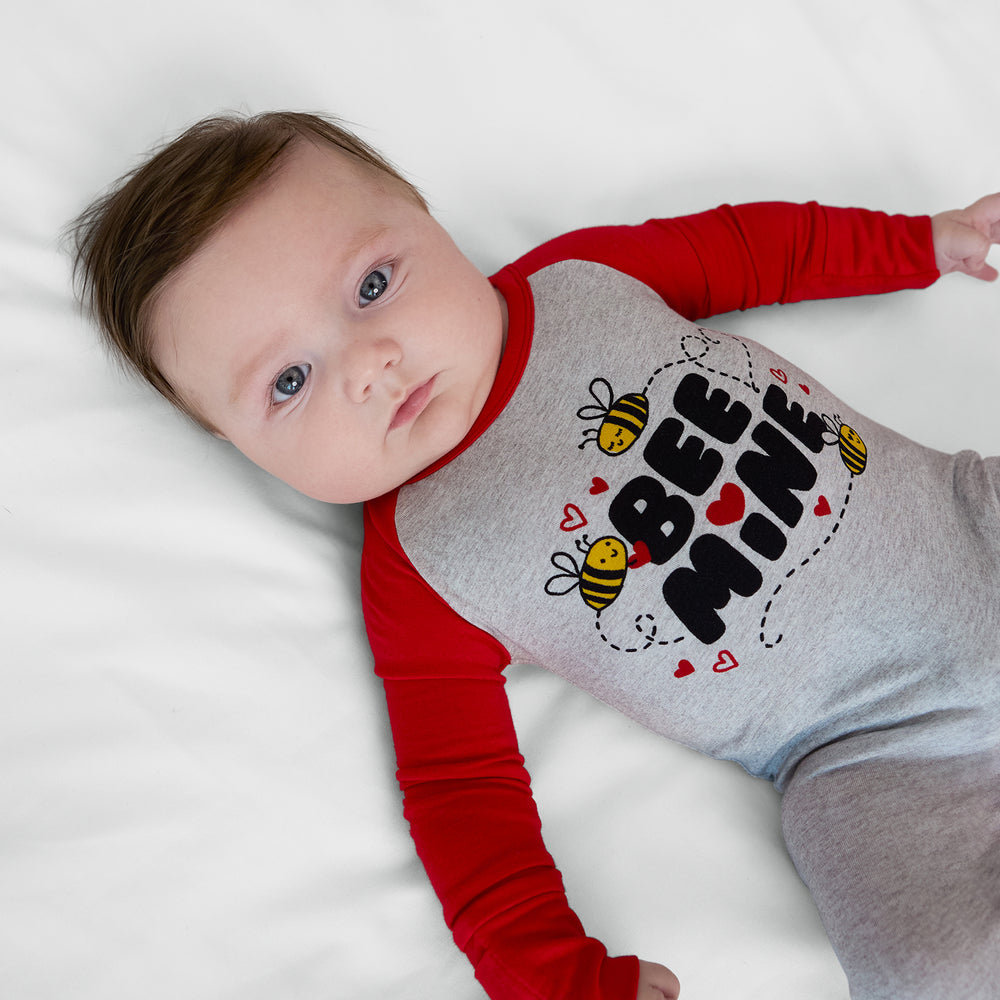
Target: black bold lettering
773, 475
709, 412
763, 536
642, 509
807, 428
691, 465
696, 595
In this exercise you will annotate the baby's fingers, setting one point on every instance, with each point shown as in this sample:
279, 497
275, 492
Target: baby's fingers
984, 215
657, 982
961, 242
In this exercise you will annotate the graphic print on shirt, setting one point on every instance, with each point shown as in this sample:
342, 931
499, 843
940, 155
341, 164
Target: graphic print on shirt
708, 461
622, 420
600, 577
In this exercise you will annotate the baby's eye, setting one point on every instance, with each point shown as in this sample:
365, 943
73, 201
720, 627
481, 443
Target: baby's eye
375, 284
289, 382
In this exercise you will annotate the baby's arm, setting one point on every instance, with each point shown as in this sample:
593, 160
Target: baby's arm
741, 256
963, 237
467, 795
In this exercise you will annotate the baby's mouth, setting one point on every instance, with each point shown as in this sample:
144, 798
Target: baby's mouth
412, 406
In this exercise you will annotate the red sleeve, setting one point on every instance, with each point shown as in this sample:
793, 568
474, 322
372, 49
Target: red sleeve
466, 793
751, 255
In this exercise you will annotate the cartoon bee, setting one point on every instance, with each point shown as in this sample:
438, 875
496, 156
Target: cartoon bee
622, 419
853, 452
601, 577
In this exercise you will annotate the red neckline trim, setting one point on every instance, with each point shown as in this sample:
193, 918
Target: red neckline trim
520, 327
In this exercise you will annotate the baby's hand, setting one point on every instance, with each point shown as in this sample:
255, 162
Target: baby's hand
656, 982
963, 237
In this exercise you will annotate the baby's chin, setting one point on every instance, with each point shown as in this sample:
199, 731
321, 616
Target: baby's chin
341, 492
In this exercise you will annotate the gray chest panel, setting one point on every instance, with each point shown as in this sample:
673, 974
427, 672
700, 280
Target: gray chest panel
682, 523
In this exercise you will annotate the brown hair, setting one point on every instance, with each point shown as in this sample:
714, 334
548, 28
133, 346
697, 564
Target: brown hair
130, 240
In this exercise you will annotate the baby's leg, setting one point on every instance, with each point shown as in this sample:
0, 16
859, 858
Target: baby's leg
902, 856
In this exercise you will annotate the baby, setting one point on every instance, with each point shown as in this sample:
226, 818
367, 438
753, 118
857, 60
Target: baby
560, 466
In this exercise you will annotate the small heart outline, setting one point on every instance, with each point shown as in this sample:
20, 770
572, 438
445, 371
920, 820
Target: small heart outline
573, 518
726, 661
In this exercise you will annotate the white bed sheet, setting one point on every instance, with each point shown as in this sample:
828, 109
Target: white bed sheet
196, 776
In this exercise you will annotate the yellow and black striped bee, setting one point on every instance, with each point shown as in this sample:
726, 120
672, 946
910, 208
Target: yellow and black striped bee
600, 578
622, 419
853, 451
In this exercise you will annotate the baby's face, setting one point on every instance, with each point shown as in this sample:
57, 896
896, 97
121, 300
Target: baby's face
332, 331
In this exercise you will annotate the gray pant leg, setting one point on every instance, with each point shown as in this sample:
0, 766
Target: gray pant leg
902, 855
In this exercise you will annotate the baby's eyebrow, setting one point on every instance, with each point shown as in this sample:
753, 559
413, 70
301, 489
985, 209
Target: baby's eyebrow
246, 372
364, 238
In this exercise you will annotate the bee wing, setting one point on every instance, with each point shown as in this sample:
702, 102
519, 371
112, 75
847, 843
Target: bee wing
601, 387
563, 583
832, 429
565, 562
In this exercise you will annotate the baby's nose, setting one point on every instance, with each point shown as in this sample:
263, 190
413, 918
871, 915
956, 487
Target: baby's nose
369, 362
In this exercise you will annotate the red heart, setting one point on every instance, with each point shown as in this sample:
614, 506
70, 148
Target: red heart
641, 556
779, 375
574, 518
726, 661
600, 486
684, 668
822, 508
730, 506
804, 388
